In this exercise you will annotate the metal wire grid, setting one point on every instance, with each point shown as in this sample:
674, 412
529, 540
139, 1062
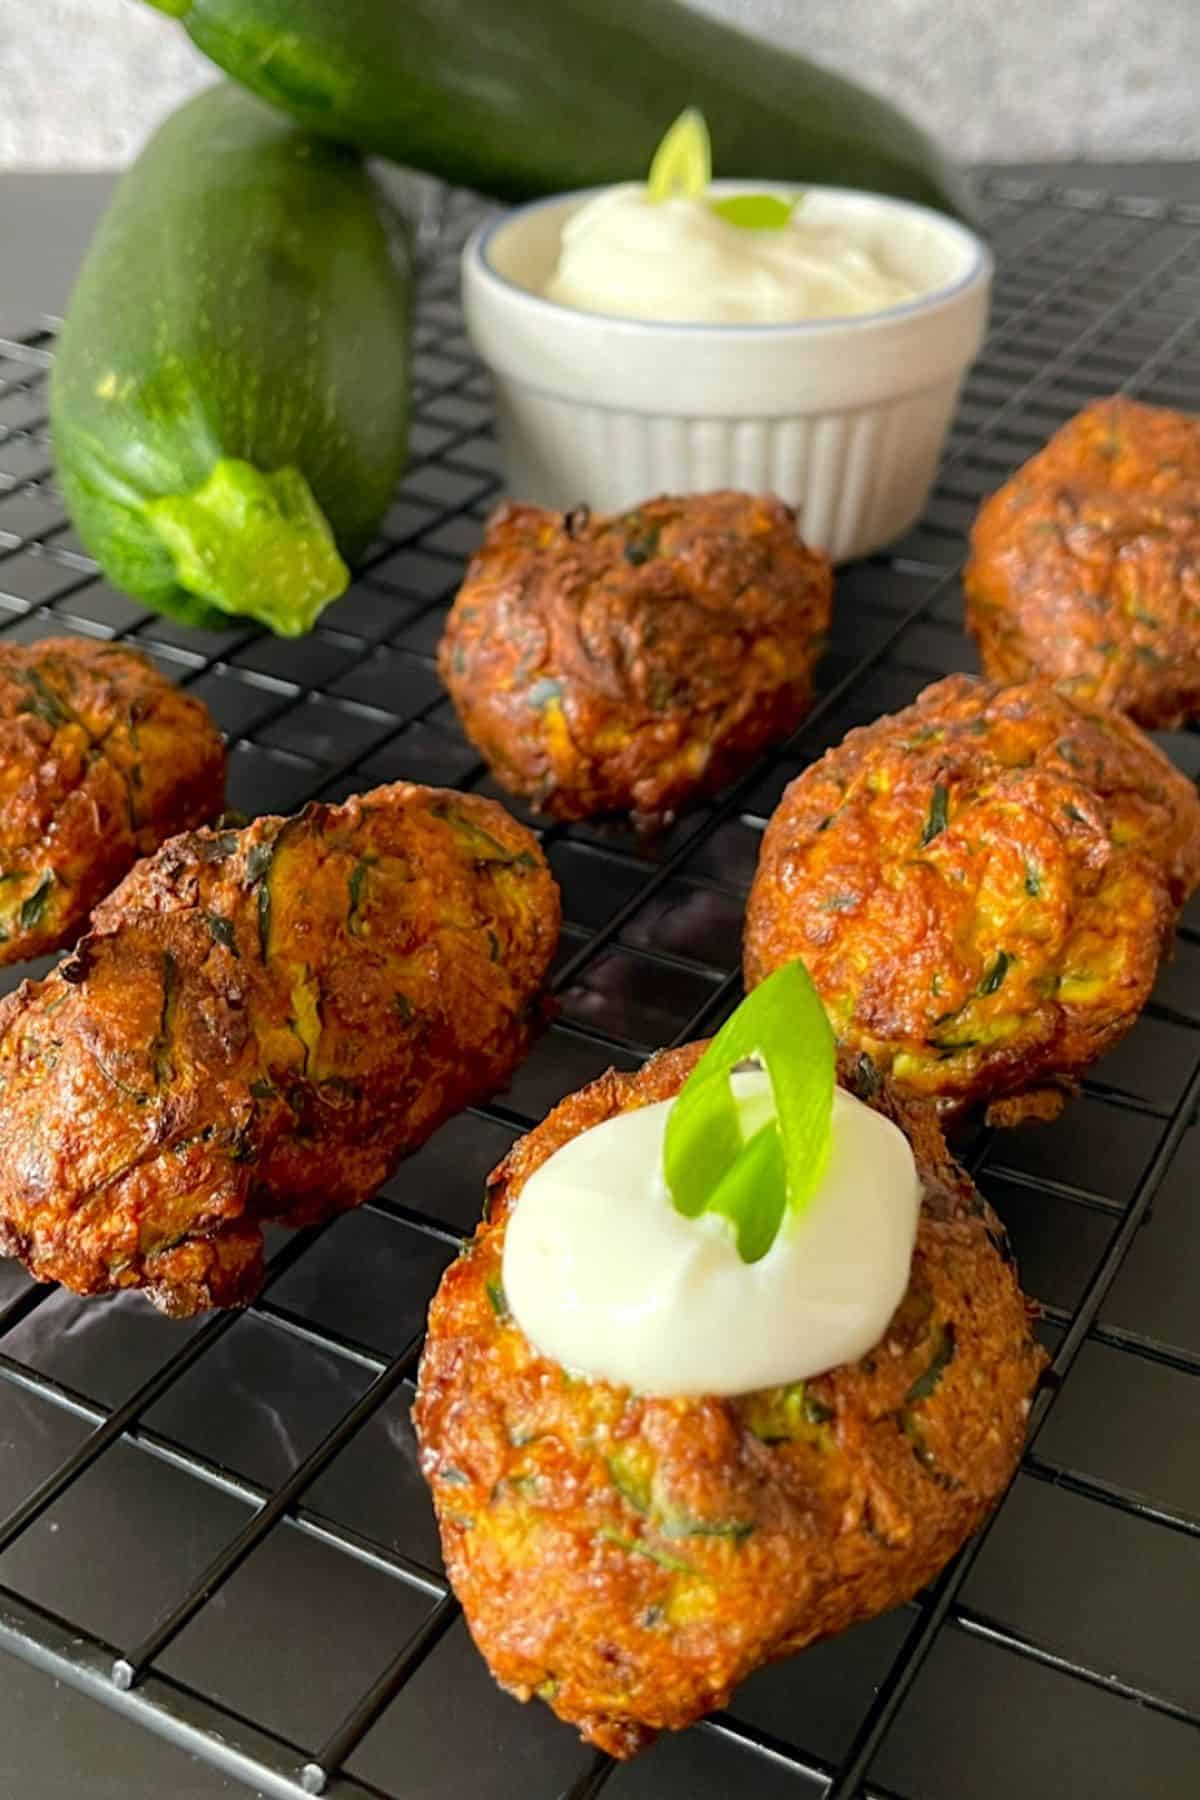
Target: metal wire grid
1095, 291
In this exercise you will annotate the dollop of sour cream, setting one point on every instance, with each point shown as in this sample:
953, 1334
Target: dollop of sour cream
606, 1278
677, 260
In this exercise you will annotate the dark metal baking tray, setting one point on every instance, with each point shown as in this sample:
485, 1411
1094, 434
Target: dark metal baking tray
218, 1528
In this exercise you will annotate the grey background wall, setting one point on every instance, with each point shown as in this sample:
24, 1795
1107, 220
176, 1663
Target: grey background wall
83, 81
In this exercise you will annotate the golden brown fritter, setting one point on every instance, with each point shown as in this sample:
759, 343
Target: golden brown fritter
259, 1024
101, 760
982, 887
630, 663
1085, 567
631, 1560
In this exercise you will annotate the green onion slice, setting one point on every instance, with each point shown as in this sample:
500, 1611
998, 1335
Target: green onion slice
707, 1163
682, 170
682, 166
756, 212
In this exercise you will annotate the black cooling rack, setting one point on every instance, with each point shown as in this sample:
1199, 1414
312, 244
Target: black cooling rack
218, 1528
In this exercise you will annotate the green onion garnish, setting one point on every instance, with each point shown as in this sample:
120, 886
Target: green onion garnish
707, 1163
755, 212
682, 165
682, 170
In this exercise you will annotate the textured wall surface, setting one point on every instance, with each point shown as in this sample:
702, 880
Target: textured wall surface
83, 81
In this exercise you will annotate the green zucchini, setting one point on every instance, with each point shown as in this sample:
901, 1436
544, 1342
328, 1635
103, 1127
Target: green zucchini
527, 97
229, 398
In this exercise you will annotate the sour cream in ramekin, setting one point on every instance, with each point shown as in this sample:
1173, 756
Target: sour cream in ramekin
842, 417
680, 260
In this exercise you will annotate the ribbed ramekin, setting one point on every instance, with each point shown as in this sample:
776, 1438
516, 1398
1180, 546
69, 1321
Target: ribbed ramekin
842, 418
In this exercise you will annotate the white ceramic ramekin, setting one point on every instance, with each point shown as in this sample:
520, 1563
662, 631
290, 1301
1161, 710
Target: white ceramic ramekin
843, 418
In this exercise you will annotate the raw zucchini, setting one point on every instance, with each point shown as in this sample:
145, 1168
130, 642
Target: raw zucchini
527, 97
229, 398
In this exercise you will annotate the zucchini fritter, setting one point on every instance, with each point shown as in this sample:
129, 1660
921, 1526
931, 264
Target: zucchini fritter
101, 760
259, 1024
633, 662
1085, 567
982, 887
631, 1560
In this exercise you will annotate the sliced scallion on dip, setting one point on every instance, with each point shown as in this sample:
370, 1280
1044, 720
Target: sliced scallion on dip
682, 164
707, 1164
682, 169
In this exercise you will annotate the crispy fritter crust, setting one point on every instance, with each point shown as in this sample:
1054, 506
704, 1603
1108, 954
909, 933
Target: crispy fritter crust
101, 759
258, 1026
1085, 567
632, 1560
982, 887
632, 662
